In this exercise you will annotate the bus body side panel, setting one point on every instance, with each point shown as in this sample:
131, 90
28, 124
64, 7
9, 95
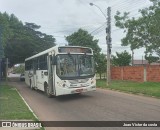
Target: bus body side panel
41, 78
35, 79
29, 79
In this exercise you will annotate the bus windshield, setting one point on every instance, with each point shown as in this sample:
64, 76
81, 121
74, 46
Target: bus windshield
74, 65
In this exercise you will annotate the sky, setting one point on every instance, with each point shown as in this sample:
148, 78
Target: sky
61, 18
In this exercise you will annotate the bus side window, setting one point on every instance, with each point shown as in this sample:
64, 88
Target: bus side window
25, 65
34, 65
43, 62
28, 65
38, 63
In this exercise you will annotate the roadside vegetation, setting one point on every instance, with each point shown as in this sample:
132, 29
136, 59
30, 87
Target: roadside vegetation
12, 107
19, 69
146, 88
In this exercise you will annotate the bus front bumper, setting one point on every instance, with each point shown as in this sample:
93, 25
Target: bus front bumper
66, 91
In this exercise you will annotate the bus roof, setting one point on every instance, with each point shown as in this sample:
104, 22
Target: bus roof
55, 48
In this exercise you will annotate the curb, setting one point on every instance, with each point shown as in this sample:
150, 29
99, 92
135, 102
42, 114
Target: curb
28, 106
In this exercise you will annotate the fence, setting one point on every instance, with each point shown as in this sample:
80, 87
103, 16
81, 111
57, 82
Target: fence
136, 73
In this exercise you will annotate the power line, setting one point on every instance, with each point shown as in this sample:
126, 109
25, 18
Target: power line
74, 28
67, 30
98, 28
125, 3
133, 4
118, 3
71, 25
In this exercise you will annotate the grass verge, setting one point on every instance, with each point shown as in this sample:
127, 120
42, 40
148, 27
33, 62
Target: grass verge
146, 88
12, 107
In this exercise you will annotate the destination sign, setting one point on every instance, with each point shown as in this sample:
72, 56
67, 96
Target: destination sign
74, 50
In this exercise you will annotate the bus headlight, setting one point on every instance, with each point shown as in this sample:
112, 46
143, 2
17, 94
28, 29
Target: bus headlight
92, 81
61, 84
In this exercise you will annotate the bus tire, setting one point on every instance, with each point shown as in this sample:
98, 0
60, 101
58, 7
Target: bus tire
30, 84
46, 90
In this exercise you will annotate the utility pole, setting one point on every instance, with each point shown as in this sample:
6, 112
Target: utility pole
109, 45
108, 40
132, 57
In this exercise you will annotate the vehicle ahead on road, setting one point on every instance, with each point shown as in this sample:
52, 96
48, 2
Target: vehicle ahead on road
22, 77
61, 70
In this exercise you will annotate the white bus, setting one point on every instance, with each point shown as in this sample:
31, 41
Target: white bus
61, 70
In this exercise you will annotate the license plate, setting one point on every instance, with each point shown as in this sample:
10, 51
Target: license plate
79, 90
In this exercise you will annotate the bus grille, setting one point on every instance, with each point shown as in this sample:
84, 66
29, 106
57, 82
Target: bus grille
78, 81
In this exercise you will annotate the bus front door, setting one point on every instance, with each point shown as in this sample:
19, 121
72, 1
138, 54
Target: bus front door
51, 75
35, 78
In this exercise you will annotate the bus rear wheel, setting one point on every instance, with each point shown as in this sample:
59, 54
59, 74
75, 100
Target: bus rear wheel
46, 90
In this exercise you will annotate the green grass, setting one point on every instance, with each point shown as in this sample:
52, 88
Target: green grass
146, 88
12, 107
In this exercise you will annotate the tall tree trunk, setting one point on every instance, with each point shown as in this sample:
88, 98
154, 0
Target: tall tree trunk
100, 75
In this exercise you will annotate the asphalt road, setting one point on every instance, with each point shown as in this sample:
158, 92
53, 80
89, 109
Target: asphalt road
101, 105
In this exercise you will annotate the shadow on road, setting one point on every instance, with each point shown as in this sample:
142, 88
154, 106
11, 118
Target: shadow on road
66, 98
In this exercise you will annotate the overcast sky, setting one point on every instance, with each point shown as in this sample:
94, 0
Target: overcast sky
63, 17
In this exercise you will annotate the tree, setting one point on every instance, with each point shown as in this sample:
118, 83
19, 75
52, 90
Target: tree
19, 69
151, 58
83, 38
143, 31
25, 42
121, 59
101, 64
22, 40
6, 32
